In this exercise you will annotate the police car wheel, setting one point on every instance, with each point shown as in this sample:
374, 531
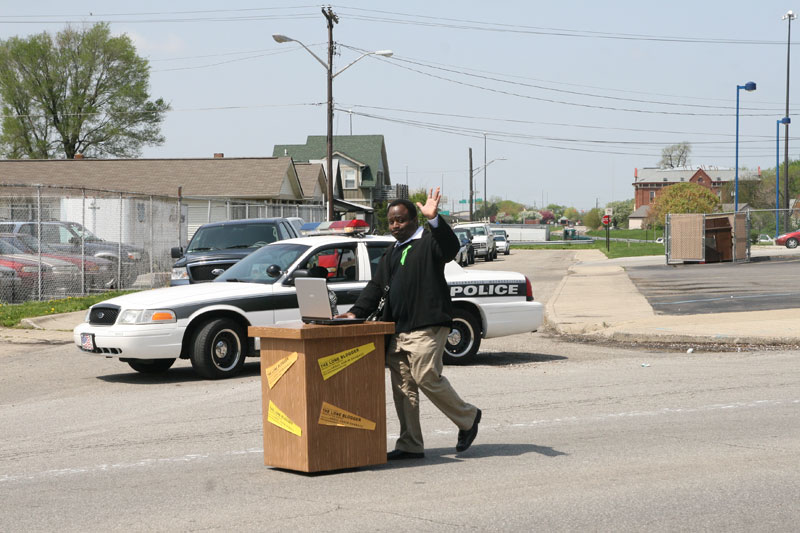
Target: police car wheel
150, 366
464, 338
219, 349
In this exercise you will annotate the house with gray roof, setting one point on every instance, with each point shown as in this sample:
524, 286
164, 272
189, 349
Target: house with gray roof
359, 163
112, 195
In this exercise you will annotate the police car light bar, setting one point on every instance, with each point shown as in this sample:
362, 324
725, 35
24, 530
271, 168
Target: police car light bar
336, 227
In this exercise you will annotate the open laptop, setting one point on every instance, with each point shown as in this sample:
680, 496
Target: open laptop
315, 307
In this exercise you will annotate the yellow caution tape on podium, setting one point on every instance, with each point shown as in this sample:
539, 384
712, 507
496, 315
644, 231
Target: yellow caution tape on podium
337, 362
277, 417
276, 371
330, 415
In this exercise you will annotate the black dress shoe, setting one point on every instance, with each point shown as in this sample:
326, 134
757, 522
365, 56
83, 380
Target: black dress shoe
402, 454
466, 436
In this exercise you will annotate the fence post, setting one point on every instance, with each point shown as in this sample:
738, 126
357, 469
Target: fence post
83, 248
119, 245
39, 239
152, 247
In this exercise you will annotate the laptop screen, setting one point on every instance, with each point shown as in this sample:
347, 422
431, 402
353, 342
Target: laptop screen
312, 298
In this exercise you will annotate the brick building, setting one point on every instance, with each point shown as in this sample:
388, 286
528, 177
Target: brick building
649, 181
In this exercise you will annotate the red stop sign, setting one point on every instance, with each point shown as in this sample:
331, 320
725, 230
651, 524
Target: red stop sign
606, 220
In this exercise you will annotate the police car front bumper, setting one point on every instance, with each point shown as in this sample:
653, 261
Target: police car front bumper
149, 341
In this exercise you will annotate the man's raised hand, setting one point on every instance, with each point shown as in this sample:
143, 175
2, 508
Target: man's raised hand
431, 207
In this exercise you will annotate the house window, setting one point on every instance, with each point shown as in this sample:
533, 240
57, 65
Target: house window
652, 195
349, 178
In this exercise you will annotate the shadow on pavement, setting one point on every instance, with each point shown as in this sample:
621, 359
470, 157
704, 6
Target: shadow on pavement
181, 374
504, 358
438, 456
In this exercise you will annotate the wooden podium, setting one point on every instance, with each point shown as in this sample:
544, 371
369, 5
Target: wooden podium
323, 397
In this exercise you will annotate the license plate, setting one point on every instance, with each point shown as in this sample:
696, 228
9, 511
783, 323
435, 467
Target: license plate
87, 341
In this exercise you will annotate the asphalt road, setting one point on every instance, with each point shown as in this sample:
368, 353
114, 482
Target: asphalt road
573, 437
719, 287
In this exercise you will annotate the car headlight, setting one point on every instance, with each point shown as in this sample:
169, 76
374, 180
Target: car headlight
180, 273
146, 316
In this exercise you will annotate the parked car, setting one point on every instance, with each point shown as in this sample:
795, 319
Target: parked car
482, 239
9, 284
57, 277
462, 257
763, 238
72, 237
216, 246
99, 272
467, 235
207, 323
500, 239
790, 240
297, 222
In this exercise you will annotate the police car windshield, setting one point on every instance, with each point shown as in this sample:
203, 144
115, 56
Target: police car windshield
253, 268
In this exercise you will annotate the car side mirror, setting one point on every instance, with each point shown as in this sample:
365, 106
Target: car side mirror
176, 252
274, 271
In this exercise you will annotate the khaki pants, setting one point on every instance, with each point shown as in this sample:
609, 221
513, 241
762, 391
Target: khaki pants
415, 364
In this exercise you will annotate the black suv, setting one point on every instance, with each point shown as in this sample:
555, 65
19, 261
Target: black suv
217, 246
67, 237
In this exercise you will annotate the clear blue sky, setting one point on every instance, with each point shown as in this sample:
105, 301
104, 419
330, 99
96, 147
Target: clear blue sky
574, 95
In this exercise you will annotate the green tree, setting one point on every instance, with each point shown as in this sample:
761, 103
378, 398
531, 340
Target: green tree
681, 198
593, 218
557, 210
80, 91
622, 210
572, 214
675, 155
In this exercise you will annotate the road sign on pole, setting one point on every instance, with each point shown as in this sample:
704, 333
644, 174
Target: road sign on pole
606, 220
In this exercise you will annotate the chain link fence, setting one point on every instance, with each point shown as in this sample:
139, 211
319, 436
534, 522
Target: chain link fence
58, 242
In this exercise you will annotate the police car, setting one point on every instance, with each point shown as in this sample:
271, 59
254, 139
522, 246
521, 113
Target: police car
207, 323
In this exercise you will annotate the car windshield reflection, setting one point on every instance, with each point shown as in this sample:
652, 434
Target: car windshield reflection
253, 268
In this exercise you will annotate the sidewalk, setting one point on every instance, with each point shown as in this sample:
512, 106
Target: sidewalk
598, 300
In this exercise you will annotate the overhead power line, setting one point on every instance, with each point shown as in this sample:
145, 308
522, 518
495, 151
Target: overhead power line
465, 24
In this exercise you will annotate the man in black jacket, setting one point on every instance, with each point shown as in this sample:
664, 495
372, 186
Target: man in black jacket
410, 281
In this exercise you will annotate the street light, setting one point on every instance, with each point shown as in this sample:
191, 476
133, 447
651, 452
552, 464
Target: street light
483, 169
784, 120
330, 75
750, 86
789, 17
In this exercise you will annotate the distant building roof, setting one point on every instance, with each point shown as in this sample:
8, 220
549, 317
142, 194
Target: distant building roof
660, 175
642, 212
365, 149
257, 177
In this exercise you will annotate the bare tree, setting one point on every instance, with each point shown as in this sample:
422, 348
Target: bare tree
675, 155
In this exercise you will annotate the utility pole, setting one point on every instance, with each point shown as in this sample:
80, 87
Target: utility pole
470, 185
485, 169
332, 19
789, 16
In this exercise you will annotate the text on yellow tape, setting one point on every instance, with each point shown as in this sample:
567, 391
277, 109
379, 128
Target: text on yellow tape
330, 415
276, 371
337, 362
277, 417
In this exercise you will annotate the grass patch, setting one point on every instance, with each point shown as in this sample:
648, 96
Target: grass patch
11, 314
640, 234
616, 248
